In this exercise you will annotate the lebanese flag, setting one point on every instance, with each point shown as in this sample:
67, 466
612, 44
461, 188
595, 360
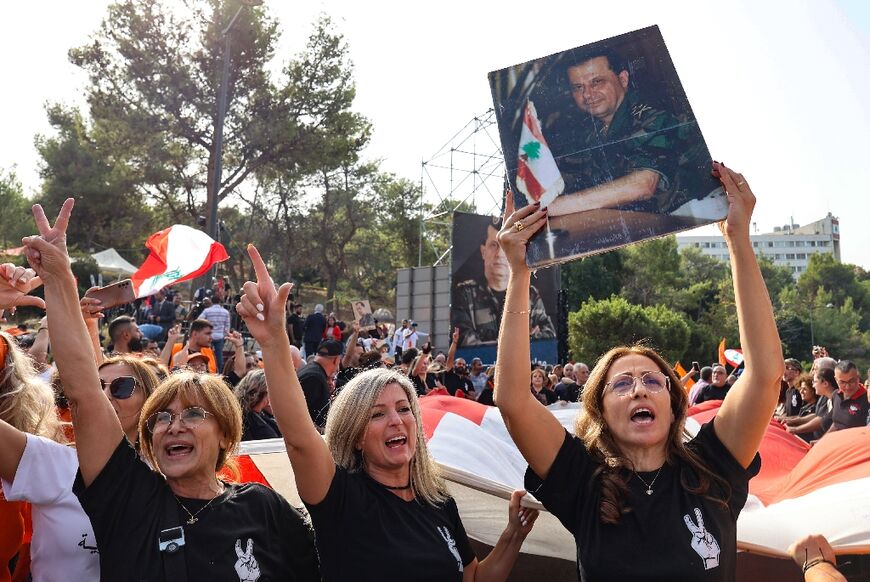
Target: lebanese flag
734, 356
178, 253
538, 177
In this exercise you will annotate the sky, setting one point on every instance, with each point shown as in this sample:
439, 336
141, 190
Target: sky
779, 87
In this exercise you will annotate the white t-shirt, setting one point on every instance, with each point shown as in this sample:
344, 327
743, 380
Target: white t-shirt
410, 339
63, 546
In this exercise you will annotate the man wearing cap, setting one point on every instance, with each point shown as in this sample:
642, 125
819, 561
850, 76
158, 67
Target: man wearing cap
316, 379
477, 303
849, 405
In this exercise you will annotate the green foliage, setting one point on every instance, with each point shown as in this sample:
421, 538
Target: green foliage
14, 223
652, 270
823, 271
603, 324
595, 277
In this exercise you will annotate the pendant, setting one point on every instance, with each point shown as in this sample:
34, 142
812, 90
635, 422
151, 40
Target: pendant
649, 491
193, 520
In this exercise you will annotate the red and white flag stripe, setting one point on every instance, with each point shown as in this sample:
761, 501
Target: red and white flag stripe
178, 253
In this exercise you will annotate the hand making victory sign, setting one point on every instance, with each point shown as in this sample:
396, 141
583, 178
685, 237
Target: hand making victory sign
46, 252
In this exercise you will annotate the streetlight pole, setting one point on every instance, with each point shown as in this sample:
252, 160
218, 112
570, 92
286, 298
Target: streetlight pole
212, 225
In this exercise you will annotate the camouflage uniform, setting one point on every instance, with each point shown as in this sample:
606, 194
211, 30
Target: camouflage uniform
640, 137
477, 309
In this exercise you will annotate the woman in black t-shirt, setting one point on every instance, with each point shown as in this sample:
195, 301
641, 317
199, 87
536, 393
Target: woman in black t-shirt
253, 395
188, 428
640, 502
379, 507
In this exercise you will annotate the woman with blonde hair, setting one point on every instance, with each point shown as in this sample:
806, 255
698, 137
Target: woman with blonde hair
627, 480
372, 480
171, 516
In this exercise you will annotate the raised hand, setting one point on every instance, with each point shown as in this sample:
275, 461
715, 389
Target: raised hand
263, 306
91, 308
741, 201
47, 252
174, 334
455, 336
235, 338
15, 284
517, 228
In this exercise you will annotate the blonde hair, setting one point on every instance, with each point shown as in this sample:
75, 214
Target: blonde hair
27, 402
591, 428
193, 389
348, 421
252, 389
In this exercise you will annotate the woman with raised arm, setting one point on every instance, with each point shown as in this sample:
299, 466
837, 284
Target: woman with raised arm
379, 508
639, 501
171, 518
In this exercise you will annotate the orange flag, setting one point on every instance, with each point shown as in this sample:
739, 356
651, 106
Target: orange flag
681, 371
722, 360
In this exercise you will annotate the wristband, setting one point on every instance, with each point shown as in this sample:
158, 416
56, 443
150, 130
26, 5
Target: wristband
517, 312
816, 562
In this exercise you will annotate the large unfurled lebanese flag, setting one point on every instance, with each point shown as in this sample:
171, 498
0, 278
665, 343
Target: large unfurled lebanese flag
798, 491
178, 253
538, 177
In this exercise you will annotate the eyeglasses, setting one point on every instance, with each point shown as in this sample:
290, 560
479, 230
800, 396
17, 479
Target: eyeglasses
121, 388
623, 384
852, 382
190, 417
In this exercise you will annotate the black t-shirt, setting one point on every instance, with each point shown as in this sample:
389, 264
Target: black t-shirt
247, 529
315, 386
568, 391
668, 535
366, 532
419, 385
257, 426
294, 322
711, 392
849, 413
793, 402
823, 411
454, 382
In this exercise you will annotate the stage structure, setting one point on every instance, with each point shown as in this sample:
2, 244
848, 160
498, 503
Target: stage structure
468, 168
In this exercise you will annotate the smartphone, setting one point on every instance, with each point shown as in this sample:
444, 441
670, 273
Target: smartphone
115, 294
696, 366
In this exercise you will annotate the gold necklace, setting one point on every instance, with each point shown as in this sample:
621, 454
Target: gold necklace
649, 489
193, 519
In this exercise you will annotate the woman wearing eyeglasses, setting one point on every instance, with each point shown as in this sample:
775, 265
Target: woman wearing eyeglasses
171, 518
640, 502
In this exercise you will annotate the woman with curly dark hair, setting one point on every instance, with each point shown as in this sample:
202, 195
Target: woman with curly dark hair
640, 502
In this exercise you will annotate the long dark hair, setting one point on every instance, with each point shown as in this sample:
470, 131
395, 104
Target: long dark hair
592, 429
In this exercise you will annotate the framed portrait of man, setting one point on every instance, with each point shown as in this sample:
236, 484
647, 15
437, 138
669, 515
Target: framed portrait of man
603, 136
362, 313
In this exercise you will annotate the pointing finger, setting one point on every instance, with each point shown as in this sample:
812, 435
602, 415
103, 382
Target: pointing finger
259, 266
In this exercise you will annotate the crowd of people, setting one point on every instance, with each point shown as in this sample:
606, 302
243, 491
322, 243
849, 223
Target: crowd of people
157, 415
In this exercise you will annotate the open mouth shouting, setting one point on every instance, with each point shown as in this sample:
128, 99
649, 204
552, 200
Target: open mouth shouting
177, 450
642, 415
396, 441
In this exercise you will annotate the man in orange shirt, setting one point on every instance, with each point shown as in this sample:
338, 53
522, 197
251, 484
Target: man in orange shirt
199, 341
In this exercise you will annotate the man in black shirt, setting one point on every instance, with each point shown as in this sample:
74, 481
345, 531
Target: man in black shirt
315, 379
717, 389
456, 372
792, 401
849, 403
294, 325
313, 328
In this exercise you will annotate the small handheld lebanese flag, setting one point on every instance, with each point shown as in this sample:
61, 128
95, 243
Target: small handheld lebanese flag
734, 357
538, 177
178, 253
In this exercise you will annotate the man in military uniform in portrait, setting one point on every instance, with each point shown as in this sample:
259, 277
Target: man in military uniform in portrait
622, 152
477, 302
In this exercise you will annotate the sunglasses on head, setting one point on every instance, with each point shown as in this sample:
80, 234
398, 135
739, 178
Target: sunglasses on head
121, 388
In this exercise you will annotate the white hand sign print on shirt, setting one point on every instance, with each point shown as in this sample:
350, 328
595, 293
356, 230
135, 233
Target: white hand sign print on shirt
703, 542
451, 545
246, 565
